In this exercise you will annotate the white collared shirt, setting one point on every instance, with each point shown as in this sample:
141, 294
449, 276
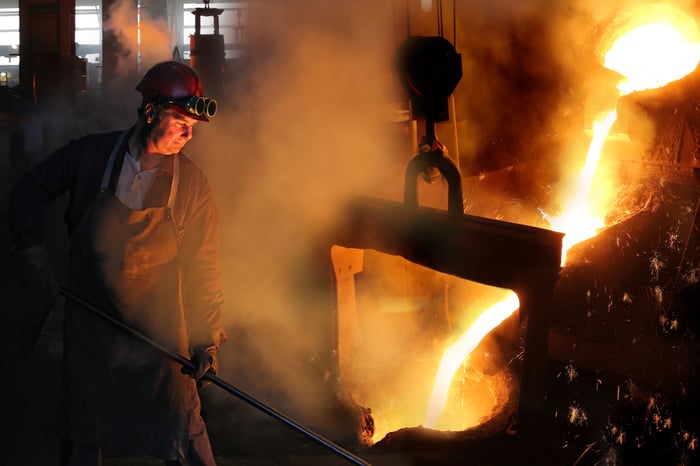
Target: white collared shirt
133, 183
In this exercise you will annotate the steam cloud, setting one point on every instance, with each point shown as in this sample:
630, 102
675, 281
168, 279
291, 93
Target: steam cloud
306, 125
147, 40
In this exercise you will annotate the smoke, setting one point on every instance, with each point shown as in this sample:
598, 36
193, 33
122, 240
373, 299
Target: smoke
138, 38
144, 37
306, 125
542, 67
305, 128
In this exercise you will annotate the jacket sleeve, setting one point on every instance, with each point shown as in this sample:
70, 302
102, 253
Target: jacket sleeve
37, 187
76, 167
202, 287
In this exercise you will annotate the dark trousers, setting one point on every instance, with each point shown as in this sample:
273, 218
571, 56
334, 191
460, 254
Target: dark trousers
76, 454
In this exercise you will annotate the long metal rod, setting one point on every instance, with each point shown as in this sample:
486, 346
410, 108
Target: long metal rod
219, 382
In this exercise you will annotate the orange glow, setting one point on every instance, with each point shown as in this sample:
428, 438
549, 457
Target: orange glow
654, 54
648, 52
458, 352
578, 220
657, 46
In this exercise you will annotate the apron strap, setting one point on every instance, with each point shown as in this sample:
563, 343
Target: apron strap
175, 181
106, 178
110, 162
170, 208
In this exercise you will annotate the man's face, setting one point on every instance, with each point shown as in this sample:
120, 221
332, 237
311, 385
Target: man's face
171, 131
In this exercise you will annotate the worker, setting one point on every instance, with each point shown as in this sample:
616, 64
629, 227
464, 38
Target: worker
144, 235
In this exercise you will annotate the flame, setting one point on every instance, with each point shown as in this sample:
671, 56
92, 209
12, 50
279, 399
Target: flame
578, 220
659, 45
652, 56
653, 48
650, 47
456, 353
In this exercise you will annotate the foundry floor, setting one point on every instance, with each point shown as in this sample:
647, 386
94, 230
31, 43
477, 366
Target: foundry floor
29, 435
29, 419
33, 412
242, 435
34, 441
259, 440
29, 425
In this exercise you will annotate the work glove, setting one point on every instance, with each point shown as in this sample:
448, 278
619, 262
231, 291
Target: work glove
36, 273
204, 360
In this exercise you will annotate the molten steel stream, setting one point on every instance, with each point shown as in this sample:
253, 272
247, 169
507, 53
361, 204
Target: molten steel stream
652, 52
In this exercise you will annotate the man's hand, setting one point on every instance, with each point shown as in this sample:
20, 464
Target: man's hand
205, 360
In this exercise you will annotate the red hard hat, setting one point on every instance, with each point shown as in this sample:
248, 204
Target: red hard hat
171, 80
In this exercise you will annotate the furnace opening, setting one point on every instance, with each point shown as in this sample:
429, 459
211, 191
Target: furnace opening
424, 348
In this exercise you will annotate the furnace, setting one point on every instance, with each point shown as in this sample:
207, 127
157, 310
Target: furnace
407, 278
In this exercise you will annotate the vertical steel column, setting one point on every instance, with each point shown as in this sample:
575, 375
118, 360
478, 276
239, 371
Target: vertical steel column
47, 52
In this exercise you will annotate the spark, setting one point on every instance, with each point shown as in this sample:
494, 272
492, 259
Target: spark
692, 277
659, 294
570, 372
672, 239
652, 403
620, 439
577, 415
519, 354
617, 434
656, 265
674, 324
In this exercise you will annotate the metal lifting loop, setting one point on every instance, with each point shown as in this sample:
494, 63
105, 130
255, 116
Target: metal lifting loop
423, 161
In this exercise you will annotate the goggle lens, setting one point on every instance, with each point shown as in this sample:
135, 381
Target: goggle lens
200, 107
212, 107
196, 105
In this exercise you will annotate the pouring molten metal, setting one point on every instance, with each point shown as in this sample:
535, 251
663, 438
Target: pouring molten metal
649, 48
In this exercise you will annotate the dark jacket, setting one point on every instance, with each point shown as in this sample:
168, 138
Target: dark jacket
78, 168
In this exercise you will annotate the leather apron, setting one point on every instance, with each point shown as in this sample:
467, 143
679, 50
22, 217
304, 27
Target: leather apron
122, 394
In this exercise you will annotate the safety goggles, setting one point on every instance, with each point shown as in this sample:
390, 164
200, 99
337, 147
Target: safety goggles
194, 105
